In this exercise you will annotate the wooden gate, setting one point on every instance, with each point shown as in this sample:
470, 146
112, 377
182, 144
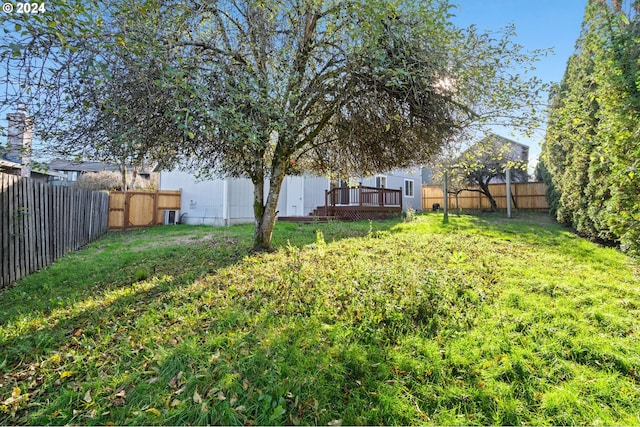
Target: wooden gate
141, 208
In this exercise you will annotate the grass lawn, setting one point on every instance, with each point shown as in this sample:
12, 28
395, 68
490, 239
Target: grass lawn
480, 321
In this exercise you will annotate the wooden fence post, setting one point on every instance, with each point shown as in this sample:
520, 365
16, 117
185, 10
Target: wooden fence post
508, 173
445, 201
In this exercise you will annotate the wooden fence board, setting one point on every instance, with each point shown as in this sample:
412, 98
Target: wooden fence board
40, 231
3, 204
528, 196
39, 223
4, 226
21, 228
11, 253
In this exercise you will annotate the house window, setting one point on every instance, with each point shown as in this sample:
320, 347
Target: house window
408, 188
381, 181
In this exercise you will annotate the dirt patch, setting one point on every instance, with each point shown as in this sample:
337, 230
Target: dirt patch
208, 240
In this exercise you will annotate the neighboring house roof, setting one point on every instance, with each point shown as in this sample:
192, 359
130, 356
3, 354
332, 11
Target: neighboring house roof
7, 164
507, 141
521, 151
64, 165
41, 169
70, 166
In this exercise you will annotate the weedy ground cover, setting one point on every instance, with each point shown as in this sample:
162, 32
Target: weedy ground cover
479, 321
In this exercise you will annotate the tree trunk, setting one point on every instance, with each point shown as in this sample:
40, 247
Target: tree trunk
265, 213
134, 176
513, 199
123, 176
486, 192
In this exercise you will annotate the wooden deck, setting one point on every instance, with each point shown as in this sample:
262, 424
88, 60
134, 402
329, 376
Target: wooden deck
354, 204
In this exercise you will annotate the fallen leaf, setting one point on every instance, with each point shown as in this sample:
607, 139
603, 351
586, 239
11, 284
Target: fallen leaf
120, 396
204, 408
196, 397
335, 423
87, 397
78, 332
174, 382
175, 403
55, 359
221, 396
66, 374
154, 411
16, 396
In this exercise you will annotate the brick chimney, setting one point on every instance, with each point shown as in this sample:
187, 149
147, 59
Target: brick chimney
20, 134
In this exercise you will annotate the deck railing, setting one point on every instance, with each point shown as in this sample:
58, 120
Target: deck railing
363, 196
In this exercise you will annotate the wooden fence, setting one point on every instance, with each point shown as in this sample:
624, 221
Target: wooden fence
527, 195
141, 208
40, 223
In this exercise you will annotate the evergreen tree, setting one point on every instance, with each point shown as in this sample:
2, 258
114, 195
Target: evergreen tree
618, 77
591, 149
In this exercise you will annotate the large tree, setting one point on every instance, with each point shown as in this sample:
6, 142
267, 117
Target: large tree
249, 88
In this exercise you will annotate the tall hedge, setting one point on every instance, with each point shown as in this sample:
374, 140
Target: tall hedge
592, 146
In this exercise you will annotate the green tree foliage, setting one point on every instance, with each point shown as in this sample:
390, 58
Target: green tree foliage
591, 147
252, 88
542, 174
619, 126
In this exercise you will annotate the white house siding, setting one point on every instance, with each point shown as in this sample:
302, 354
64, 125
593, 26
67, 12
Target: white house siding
396, 180
230, 201
314, 188
202, 202
240, 201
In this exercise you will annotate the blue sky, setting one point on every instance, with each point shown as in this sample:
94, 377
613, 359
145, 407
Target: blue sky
539, 24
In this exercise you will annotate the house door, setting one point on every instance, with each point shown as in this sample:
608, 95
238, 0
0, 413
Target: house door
344, 194
341, 197
295, 196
